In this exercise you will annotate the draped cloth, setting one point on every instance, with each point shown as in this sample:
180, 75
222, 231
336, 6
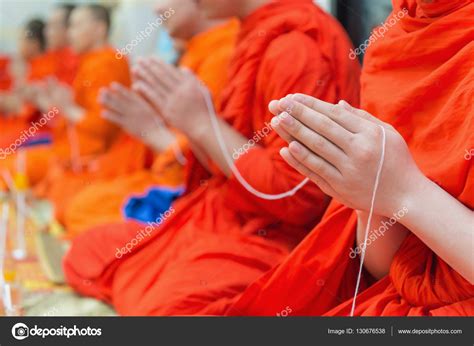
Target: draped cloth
420, 79
98, 199
219, 237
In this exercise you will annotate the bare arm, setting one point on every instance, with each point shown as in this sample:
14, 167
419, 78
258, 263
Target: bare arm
444, 224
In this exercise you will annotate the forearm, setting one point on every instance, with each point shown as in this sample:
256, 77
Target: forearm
204, 138
444, 224
384, 238
159, 139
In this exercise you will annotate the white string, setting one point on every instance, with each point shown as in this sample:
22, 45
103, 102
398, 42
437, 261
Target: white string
251, 189
230, 162
369, 220
178, 153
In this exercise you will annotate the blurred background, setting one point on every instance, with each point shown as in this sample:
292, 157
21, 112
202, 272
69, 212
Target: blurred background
130, 16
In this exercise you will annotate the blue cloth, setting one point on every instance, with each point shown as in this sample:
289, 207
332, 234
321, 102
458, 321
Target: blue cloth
39, 139
151, 206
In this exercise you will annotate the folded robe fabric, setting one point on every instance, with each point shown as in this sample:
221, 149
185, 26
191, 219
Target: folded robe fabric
420, 79
220, 237
152, 205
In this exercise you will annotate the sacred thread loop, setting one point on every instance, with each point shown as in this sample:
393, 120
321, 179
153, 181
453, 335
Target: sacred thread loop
230, 162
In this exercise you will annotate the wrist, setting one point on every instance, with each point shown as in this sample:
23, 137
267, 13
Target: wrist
411, 201
159, 140
198, 130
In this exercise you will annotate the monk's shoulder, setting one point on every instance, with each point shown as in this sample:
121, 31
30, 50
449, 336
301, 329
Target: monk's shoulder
108, 60
294, 47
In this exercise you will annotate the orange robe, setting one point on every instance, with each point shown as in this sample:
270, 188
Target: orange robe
62, 64
5, 77
98, 199
219, 238
429, 101
93, 133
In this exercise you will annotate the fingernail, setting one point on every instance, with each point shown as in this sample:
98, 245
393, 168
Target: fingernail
275, 121
345, 105
287, 104
295, 147
286, 119
298, 98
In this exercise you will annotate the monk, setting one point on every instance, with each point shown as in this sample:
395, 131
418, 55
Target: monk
418, 253
57, 62
83, 133
63, 60
201, 254
31, 47
151, 154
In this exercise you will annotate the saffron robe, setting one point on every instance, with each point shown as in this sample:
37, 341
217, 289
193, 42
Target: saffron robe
219, 238
85, 200
429, 101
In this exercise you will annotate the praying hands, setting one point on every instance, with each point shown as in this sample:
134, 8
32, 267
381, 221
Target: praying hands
339, 148
127, 109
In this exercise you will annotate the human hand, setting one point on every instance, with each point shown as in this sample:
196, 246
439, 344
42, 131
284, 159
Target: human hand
174, 93
339, 148
136, 116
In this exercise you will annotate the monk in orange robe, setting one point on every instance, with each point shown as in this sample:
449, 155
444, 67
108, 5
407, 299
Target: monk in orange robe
97, 196
83, 133
198, 257
14, 113
59, 61
418, 253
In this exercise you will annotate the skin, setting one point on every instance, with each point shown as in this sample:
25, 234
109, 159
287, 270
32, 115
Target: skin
186, 21
339, 147
28, 48
86, 33
225, 8
56, 29
121, 107
176, 93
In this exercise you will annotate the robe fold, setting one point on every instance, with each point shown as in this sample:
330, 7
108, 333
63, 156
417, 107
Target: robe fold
93, 200
218, 238
420, 79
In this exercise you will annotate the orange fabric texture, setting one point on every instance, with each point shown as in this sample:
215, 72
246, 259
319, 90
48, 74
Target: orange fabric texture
5, 76
102, 201
420, 79
219, 238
